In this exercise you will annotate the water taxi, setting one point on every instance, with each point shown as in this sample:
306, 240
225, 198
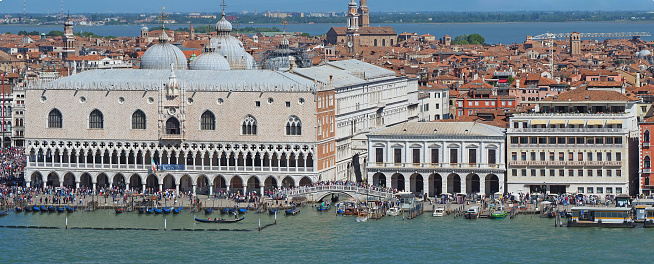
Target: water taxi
649, 217
600, 217
472, 213
393, 211
438, 212
363, 215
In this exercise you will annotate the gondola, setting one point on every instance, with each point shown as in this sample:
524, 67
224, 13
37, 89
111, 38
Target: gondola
273, 211
218, 220
52, 209
293, 211
177, 210
70, 209
43, 208
241, 210
28, 209
224, 211
166, 210
18, 209
149, 211
157, 211
323, 207
61, 209
208, 210
5, 212
119, 210
142, 210
36, 209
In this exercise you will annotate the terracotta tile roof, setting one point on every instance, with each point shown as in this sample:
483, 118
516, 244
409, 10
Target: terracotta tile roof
604, 84
582, 94
476, 84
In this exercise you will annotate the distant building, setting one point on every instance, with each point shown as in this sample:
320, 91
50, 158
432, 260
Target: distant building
365, 34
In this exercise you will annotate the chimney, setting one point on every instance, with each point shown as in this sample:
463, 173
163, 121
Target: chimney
638, 79
517, 83
331, 79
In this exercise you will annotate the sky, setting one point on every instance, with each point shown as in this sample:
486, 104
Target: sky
151, 6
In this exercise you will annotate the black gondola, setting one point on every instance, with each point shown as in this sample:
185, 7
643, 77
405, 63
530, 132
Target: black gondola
224, 211
43, 208
273, 211
52, 209
293, 211
208, 210
28, 209
142, 210
218, 220
334, 199
70, 209
61, 209
119, 210
5, 212
177, 210
18, 209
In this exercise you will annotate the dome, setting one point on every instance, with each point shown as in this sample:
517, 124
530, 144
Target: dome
223, 26
232, 49
162, 55
144, 28
643, 53
210, 60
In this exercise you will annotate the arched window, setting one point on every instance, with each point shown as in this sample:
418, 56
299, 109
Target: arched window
384, 42
391, 42
249, 126
646, 136
54, 119
138, 120
96, 119
172, 126
208, 121
375, 42
646, 162
293, 126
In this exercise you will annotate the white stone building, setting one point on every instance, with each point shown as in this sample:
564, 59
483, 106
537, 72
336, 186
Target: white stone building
580, 141
438, 157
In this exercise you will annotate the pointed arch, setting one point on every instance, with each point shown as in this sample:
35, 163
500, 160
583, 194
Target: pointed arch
249, 125
293, 126
55, 119
138, 119
208, 121
96, 119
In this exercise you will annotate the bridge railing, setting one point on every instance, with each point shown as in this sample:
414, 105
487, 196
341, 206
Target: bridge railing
342, 188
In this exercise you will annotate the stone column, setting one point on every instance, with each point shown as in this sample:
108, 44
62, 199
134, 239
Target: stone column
227, 185
194, 190
444, 185
211, 189
261, 190
482, 184
407, 183
176, 189
94, 187
160, 187
143, 190
76, 185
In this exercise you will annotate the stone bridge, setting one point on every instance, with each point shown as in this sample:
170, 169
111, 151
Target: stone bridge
319, 192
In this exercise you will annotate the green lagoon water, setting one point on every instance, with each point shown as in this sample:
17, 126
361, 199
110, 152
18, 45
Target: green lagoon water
313, 237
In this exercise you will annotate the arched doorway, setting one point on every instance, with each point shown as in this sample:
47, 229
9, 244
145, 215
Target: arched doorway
152, 183
435, 184
492, 184
417, 186
453, 183
472, 183
253, 184
202, 184
185, 184
305, 181
219, 183
119, 181
236, 184
53, 180
37, 180
85, 181
135, 182
169, 183
102, 181
288, 182
270, 183
379, 179
397, 182
69, 180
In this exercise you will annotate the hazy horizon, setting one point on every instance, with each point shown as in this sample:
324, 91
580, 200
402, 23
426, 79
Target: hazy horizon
213, 6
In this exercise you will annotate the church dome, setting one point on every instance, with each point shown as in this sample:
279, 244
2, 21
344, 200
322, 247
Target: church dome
210, 60
223, 26
162, 55
231, 48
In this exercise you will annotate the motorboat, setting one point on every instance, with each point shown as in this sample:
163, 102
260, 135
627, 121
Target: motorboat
393, 211
293, 211
438, 212
362, 216
472, 212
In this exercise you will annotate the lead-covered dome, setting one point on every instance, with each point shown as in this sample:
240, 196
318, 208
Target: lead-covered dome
231, 48
210, 60
160, 56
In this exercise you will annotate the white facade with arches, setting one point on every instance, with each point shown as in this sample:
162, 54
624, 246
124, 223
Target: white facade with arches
438, 157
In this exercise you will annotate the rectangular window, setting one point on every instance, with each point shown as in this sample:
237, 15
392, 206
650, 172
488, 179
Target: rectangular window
600, 190
472, 156
514, 172
560, 140
552, 173
438, 106
599, 156
379, 155
514, 140
470, 112
589, 156
476, 103
434, 156
618, 156
533, 156
460, 104
523, 156
608, 156
599, 173
288, 104
618, 141
551, 156
570, 156
609, 189
454, 153
397, 155
416, 156
599, 141
580, 156
542, 156
542, 172
503, 103
524, 172
491, 157
470, 103
618, 173
618, 190
580, 190
514, 156
590, 173
561, 173
487, 103
460, 112
589, 190
533, 172
561, 156
552, 140
571, 141
580, 173
571, 173
609, 173
257, 103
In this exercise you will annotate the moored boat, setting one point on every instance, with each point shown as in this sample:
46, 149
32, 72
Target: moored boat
28, 209
142, 210
119, 210
70, 209
208, 210
472, 212
158, 210
393, 211
52, 209
324, 206
499, 214
18, 209
149, 211
273, 211
293, 211
362, 216
61, 209
36, 209
43, 208
438, 212
219, 220
4, 213
600, 217
166, 210
177, 210
241, 210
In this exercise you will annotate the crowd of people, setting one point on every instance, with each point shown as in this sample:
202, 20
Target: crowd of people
13, 161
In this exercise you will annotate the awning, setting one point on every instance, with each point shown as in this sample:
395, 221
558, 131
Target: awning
502, 80
539, 122
557, 122
614, 122
595, 122
576, 122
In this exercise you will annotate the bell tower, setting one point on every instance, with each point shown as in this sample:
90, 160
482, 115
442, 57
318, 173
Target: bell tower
364, 12
352, 28
68, 39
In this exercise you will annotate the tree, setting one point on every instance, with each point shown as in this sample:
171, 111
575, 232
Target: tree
460, 40
476, 39
55, 33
